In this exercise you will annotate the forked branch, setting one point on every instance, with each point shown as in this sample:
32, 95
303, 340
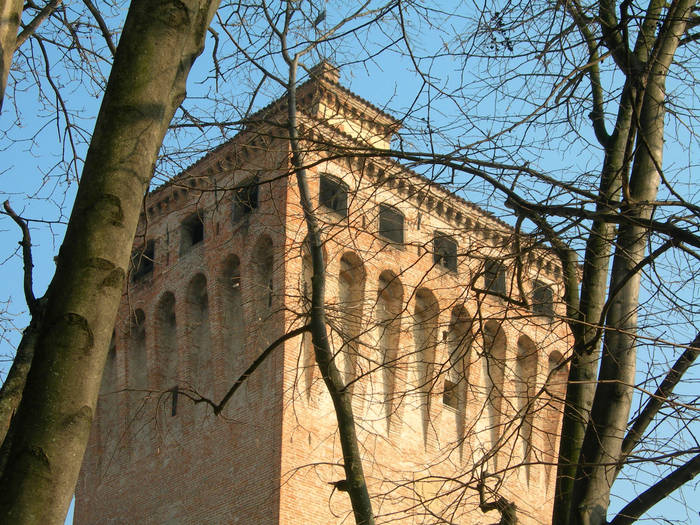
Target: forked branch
507, 509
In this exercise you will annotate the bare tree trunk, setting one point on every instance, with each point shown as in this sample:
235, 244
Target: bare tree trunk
10, 14
601, 448
585, 311
11, 391
158, 46
341, 396
587, 316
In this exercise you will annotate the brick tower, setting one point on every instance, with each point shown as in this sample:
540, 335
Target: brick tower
443, 320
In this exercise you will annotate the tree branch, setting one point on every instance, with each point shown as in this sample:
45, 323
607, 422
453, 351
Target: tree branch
255, 364
656, 401
340, 394
657, 492
12, 388
677, 233
102, 25
507, 509
597, 115
26, 244
32, 26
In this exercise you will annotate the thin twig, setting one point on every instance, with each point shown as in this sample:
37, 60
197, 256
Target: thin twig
102, 25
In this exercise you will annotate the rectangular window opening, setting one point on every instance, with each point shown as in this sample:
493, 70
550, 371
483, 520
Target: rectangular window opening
391, 224
449, 394
333, 194
495, 277
192, 232
245, 200
542, 300
142, 261
445, 252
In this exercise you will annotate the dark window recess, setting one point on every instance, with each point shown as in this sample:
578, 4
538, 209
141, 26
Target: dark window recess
542, 300
192, 232
449, 394
142, 261
245, 200
333, 194
495, 277
445, 252
391, 224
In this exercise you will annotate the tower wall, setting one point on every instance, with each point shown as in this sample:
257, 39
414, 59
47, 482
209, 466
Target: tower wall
434, 325
149, 461
422, 456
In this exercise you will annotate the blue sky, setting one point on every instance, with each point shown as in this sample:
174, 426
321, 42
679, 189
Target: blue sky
39, 186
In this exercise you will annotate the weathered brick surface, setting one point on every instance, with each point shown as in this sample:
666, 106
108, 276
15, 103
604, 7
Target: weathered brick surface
268, 458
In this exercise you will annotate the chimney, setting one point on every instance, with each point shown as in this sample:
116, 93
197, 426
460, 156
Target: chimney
324, 70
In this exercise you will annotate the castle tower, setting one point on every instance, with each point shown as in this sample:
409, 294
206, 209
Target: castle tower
444, 323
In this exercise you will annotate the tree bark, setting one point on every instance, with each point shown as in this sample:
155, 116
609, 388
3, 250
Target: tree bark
340, 395
10, 15
601, 448
159, 43
586, 322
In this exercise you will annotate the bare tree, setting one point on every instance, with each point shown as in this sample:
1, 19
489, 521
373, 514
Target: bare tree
51, 427
553, 66
620, 224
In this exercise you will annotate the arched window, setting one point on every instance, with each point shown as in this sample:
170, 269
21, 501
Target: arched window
308, 358
234, 325
556, 389
167, 354
493, 373
262, 277
526, 387
199, 339
138, 382
351, 291
459, 342
138, 370
166, 341
425, 330
389, 308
